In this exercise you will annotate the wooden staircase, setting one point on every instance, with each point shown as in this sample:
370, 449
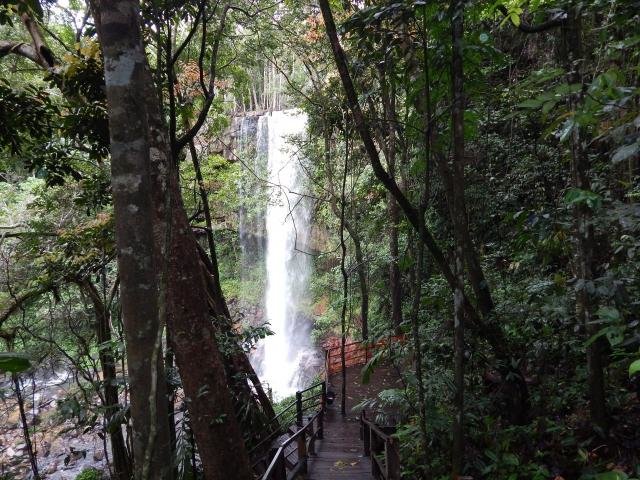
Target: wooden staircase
323, 444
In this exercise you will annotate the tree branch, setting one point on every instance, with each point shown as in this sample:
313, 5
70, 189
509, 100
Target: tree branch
558, 21
20, 299
211, 93
22, 49
186, 41
47, 59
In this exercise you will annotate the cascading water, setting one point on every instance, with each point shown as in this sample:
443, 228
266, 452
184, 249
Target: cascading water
282, 356
288, 266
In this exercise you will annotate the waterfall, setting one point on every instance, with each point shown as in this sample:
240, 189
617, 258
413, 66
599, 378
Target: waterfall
286, 224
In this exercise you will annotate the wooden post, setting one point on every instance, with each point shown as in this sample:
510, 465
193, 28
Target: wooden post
392, 456
299, 409
327, 364
323, 397
281, 469
302, 451
374, 449
366, 438
312, 447
321, 425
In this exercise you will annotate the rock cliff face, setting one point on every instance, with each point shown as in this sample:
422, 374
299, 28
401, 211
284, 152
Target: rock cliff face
234, 138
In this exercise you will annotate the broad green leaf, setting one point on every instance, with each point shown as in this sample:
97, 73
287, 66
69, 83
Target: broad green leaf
613, 475
531, 103
14, 362
625, 152
370, 366
576, 196
511, 459
548, 106
634, 368
608, 314
614, 334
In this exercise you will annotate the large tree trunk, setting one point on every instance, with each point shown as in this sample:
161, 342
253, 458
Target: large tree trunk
127, 80
150, 218
200, 364
237, 364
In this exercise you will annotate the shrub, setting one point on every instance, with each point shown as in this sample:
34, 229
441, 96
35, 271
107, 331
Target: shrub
90, 474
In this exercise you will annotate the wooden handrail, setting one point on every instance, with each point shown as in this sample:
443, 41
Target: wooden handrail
277, 430
277, 469
358, 342
378, 443
316, 385
356, 353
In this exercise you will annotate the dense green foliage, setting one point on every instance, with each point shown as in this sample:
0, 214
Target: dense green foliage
551, 182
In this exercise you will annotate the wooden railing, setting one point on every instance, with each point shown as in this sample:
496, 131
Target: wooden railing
355, 353
302, 440
382, 448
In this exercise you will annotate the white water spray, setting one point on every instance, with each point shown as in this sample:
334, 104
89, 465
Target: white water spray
287, 264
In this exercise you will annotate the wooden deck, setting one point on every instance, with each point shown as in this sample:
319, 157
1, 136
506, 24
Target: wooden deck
340, 454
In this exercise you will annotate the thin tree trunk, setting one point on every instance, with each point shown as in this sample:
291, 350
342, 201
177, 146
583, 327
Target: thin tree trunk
169, 364
25, 428
457, 449
389, 143
121, 461
417, 347
361, 270
345, 283
204, 199
419, 269
584, 236
459, 221
484, 325
355, 237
